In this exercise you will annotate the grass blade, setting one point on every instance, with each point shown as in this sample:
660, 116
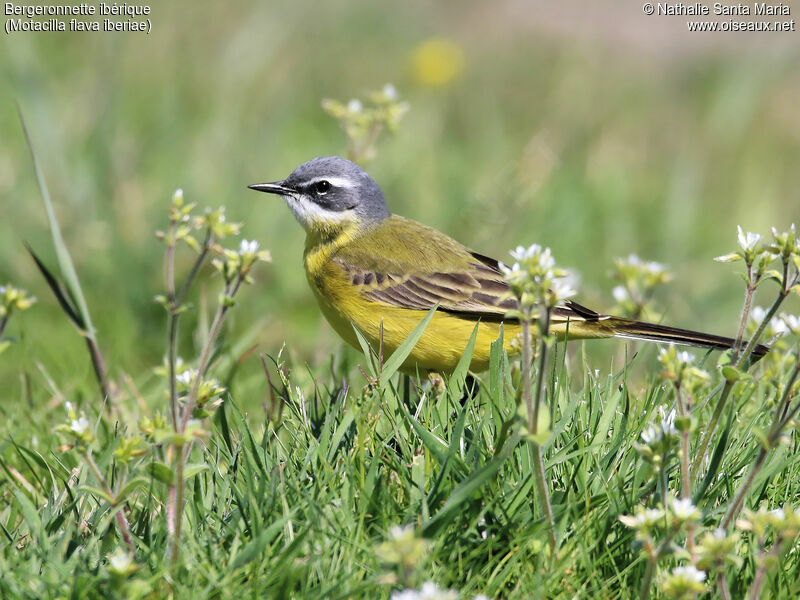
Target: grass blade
399, 356
62, 254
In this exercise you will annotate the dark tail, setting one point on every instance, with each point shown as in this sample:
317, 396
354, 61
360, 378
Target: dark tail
638, 330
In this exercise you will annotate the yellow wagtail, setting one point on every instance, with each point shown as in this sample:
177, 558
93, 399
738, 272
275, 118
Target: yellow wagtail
367, 266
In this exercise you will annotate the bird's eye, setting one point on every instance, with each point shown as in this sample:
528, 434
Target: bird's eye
322, 187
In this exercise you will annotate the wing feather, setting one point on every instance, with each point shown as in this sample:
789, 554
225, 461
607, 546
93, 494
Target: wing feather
442, 271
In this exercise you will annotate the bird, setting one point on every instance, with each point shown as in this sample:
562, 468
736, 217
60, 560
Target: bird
382, 274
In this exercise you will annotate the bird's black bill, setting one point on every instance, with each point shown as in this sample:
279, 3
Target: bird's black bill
272, 188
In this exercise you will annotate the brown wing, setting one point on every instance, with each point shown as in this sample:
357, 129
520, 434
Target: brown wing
476, 292
440, 271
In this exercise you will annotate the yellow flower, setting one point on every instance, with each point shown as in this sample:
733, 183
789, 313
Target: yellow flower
437, 62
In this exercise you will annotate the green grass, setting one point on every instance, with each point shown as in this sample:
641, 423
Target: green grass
297, 507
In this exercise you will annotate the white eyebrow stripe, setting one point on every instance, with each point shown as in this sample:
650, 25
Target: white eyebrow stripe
341, 182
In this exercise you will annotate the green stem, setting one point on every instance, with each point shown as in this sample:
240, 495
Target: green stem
527, 359
778, 425
758, 580
722, 586
652, 561
172, 323
786, 415
176, 492
99, 366
205, 355
122, 522
686, 490
701, 453
748, 301
738, 500
544, 329
172, 352
644, 591
762, 326
544, 494
534, 405
742, 357
207, 243
175, 303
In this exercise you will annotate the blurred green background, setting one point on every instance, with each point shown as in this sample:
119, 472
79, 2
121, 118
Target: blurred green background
592, 129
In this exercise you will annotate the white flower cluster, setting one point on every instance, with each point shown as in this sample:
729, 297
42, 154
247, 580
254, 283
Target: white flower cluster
684, 510
681, 356
248, 247
534, 278
187, 377
647, 518
652, 267
656, 433
778, 325
79, 425
689, 573
748, 241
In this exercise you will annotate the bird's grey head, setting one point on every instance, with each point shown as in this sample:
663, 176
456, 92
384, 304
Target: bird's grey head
330, 191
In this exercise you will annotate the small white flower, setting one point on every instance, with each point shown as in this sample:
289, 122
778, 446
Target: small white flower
747, 241
178, 195
397, 532
69, 406
792, 230
2, 290
513, 274
683, 509
652, 435
655, 433
792, 322
390, 92
668, 420
186, 377
649, 517
562, 289
248, 247
543, 257
777, 326
634, 260
80, 425
620, 293
521, 253
655, 267
546, 260
685, 357
120, 561
355, 106
689, 573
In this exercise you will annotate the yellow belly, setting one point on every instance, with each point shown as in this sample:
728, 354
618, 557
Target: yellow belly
439, 349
